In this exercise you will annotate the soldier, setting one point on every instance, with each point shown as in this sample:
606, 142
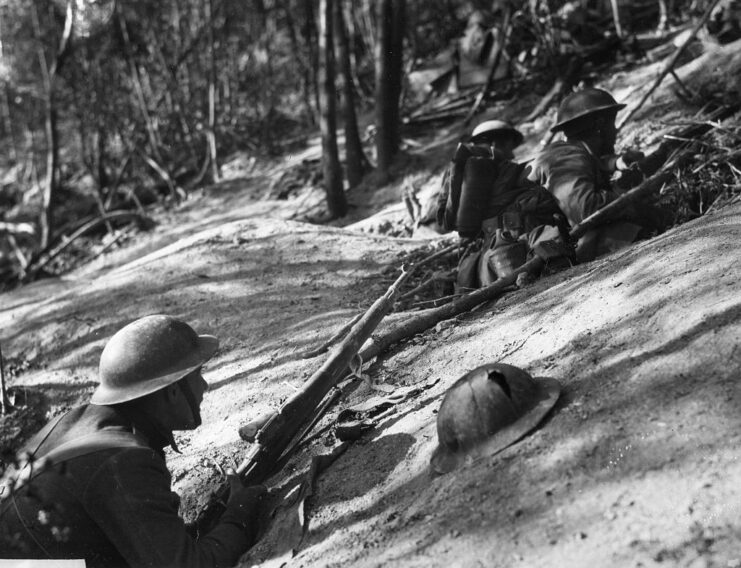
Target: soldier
96, 485
494, 139
577, 171
502, 217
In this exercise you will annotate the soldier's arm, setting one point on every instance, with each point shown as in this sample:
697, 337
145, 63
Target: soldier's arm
130, 498
573, 181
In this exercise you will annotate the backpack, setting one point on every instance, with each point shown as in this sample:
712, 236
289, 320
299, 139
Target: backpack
16, 478
477, 185
452, 184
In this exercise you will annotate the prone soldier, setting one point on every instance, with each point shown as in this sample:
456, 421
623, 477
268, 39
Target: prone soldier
96, 486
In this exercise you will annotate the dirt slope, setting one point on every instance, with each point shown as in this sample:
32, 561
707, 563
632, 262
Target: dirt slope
637, 465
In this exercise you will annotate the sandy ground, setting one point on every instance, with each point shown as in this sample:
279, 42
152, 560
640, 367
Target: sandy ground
637, 465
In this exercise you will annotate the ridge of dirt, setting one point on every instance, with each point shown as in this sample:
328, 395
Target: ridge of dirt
637, 465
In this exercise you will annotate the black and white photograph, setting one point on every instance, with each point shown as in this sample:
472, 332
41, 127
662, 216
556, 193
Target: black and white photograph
370, 283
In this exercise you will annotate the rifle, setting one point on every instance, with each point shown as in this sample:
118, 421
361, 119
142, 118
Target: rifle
274, 433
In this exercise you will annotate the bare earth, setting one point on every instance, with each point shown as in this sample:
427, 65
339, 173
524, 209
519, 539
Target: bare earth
637, 465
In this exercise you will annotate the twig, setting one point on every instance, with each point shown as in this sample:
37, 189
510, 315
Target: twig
4, 401
616, 18
437, 301
671, 63
682, 87
332, 340
348, 326
113, 215
434, 256
436, 277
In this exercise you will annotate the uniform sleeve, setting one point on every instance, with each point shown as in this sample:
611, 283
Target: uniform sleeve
573, 180
130, 498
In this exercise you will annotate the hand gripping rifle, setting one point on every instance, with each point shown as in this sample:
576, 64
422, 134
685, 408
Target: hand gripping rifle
274, 433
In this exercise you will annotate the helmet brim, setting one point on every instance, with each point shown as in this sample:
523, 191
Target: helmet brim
207, 346
559, 126
482, 137
444, 461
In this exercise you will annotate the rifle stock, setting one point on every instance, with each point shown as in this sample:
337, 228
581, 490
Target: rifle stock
274, 432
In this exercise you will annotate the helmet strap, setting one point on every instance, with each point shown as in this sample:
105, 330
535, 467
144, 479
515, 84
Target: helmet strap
195, 408
148, 425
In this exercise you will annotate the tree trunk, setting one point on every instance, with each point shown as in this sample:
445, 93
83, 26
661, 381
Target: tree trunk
310, 35
5, 102
389, 43
336, 201
355, 161
301, 60
211, 132
48, 75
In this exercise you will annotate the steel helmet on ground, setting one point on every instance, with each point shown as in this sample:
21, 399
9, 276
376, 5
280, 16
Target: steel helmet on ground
582, 103
487, 410
147, 355
491, 126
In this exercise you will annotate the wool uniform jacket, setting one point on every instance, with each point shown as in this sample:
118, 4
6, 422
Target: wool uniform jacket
581, 184
112, 507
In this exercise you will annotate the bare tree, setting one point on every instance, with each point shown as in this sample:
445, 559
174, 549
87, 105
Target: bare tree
389, 61
336, 201
355, 161
49, 70
211, 131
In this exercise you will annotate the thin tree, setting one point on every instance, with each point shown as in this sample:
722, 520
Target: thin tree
336, 201
389, 63
211, 131
4, 400
49, 71
356, 163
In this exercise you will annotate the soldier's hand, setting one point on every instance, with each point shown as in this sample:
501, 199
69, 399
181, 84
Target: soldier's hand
246, 501
630, 157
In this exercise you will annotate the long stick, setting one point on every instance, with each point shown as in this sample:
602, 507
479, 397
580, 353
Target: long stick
616, 18
4, 401
277, 430
671, 63
110, 216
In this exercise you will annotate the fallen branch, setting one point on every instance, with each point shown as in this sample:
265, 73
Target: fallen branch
17, 228
324, 347
436, 277
277, 430
671, 63
430, 318
177, 192
311, 353
89, 226
4, 400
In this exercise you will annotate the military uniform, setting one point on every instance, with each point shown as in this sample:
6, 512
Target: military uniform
113, 507
521, 220
580, 182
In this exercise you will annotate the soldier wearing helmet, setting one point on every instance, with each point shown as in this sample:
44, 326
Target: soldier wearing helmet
499, 135
495, 139
96, 485
578, 171
501, 216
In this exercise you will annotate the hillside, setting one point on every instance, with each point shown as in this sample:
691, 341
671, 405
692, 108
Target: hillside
637, 465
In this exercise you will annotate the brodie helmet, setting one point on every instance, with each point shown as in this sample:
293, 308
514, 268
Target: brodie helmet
492, 126
147, 355
487, 410
582, 103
